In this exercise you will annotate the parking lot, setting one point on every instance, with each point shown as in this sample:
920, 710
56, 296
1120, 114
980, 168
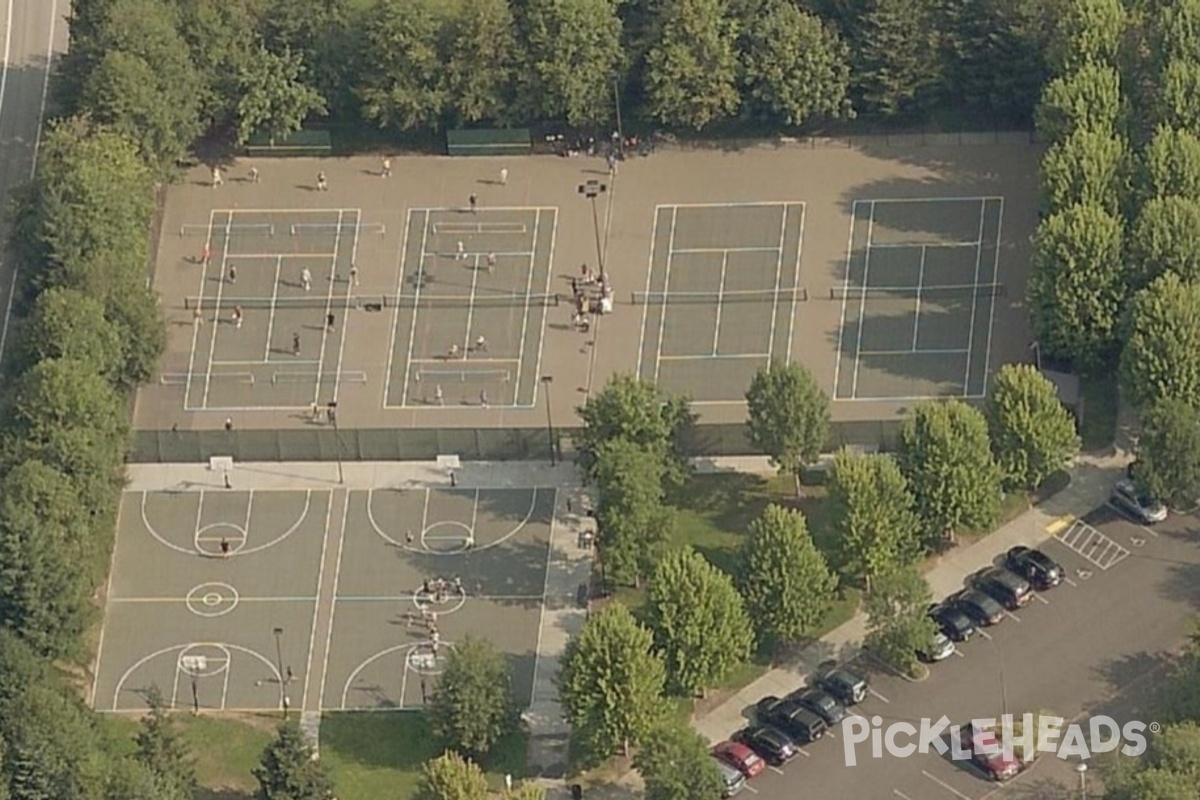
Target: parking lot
1075, 647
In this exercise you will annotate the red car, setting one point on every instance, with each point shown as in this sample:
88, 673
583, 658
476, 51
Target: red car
740, 757
984, 747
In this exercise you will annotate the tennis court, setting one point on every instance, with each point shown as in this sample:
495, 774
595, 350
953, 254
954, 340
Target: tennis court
274, 293
720, 296
918, 299
470, 309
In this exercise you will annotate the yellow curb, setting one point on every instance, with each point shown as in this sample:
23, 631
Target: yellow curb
1059, 524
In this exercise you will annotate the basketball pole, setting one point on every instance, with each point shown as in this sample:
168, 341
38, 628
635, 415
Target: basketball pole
278, 632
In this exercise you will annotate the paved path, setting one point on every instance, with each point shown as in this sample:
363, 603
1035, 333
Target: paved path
34, 30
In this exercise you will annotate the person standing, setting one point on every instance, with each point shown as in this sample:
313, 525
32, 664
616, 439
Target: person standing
461, 254
306, 279
254, 174
473, 201
295, 344
225, 548
237, 317
232, 274
386, 167
483, 398
330, 319
439, 397
206, 254
491, 262
354, 274
322, 184
216, 177
504, 176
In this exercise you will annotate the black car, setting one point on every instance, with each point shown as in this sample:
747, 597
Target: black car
1034, 566
952, 621
821, 703
1008, 589
801, 724
979, 607
849, 689
775, 747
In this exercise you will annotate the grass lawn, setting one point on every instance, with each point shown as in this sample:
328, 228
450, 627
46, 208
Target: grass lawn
379, 755
1098, 428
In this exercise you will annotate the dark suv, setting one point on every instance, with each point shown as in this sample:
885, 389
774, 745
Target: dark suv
980, 607
1034, 566
849, 689
792, 718
1010, 590
952, 621
821, 703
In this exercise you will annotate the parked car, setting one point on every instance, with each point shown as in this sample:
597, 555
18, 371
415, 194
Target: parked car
1146, 510
821, 703
952, 621
848, 687
1007, 588
733, 780
984, 747
939, 649
979, 607
1039, 569
741, 757
801, 724
773, 745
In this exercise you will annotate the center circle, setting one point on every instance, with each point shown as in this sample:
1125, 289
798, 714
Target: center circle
220, 539
447, 537
212, 599
452, 600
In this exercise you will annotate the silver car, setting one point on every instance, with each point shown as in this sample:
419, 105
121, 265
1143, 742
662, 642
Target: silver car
1146, 510
939, 649
732, 778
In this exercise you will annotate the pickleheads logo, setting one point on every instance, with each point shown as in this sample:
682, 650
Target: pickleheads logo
1009, 740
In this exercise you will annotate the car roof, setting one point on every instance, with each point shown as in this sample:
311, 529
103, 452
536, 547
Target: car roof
795, 711
771, 734
1003, 576
978, 598
735, 750
728, 771
1038, 558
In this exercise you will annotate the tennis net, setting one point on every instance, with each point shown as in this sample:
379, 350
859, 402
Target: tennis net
798, 294
966, 290
446, 375
334, 229
375, 301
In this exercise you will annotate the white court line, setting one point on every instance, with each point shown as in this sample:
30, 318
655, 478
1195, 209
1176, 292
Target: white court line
267, 363
412, 331
837, 362
974, 301
646, 308
387, 383
241, 599
749, 204
968, 199
191, 370
337, 375
778, 279
437, 254
724, 356
1041, 599
950, 287
271, 318
946, 786
720, 304
796, 282
862, 304
906, 398
442, 361
724, 250
901, 794
267, 256
458, 210
329, 295
337, 576
913, 352
917, 313
526, 313
537, 369
987, 353
471, 307
537, 648
216, 323
915, 243
662, 323
312, 634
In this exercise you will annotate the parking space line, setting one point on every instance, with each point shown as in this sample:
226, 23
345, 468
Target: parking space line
1012, 616
984, 634
1041, 599
749, 788
877, 695
959, 653
901, 794
774, 768
1093, 545
946, 786
1071, 582
831, 735
803, 752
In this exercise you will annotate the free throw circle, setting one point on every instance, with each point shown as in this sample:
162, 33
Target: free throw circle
448, 537
209, 539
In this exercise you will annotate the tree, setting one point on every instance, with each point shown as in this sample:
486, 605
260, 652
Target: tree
164, 752
1033, 434
788, 416
274, 98
1171, 164
1088, 99
1077, 286
52, 750
1161, 358
699, 621
1169, 452
403, 89
222, 38
574, 55
451, 777
691, 72
1087, 32
1165, 239
634, 523
1168, 772
794, 66
288, 770
946, 455
871, 508
1179, 95
636, 410
891, 46
526, 791
611, 682
473, 707
1088, 167
898, 622
675, 765
67, 323
481, 62
785, 579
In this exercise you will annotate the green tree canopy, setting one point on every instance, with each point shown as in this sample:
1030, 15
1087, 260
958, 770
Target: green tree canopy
274, 98
451, 777
892, 46
1087, 167
1033, 434
1179, 94
946, 454
785, 579
1088, 99
403, 89
1077, 286
1174, 30
871, 508
675, 765
636, 410
162, 749
1087, 32
691, 71
288, 770
898, 622
222, 38
634, 523
1162, 354
611, 682
1169, 451
481, 62
68, 323
699, 621
1165, 239
1171, 164
574, 56
52, 749
795, 67
472, 706
788, 416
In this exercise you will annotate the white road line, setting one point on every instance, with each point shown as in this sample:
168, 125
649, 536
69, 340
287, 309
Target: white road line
862, 303
877, 695
1070, 582
796, 283
917, 311
959, 653
946, 786
984, 634
987, 353
775, 769
901, 794
974, 301
649, 277
662, 324
749, 788
803, 752
1012, 616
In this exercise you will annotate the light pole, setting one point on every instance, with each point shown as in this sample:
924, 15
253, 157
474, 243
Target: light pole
591, 189
546, 381
279, 665
617, 104
1081, 768
337, 439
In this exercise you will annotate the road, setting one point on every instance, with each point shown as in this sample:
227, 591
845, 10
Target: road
1131, 597
35, 31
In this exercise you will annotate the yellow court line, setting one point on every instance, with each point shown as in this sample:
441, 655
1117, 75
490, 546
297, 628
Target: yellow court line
1060, 524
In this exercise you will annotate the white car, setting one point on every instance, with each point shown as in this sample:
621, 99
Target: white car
1146, 510
939, 649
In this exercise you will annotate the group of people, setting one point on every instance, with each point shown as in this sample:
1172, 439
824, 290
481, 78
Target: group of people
600, 301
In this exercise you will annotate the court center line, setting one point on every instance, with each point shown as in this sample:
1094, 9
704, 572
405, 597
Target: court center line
266, 363
912, 244
471, 308
719, 357
795, 284
312, 634
662, 324
862, 303
724, 250
917, 311
720, 303
271, 317
177, 600
212, 347
391, 363
987, 353
337, 577
649, 278
837, 361
412, 331
914, 352
249, 508
974, 300
337, 375
528, 310
778, 280
537, 647
537, 369
329, 294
